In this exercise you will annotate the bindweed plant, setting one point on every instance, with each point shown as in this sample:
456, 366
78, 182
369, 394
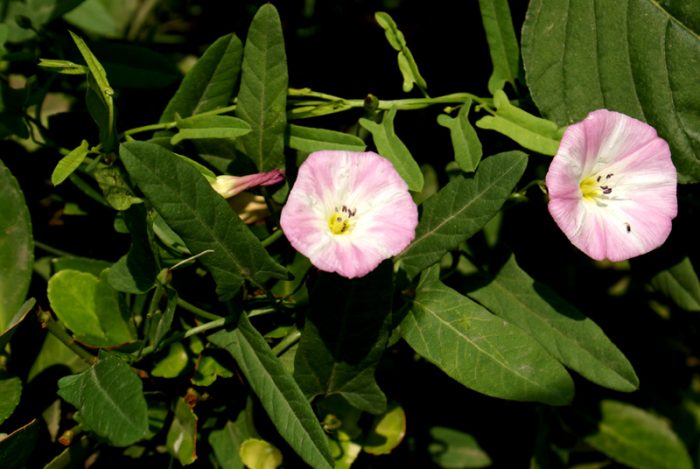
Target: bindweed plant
206, 261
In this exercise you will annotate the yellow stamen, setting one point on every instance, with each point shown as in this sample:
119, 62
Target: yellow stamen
590, 189
338, 224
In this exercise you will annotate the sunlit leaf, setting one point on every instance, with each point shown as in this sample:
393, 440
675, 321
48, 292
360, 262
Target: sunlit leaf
387, 432
182, 435
259, 454
69, 163
228, 439
90, 308
173, 363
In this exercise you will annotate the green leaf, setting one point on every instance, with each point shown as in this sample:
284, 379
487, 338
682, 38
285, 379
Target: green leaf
629, 56
684, 11
17, 447
114, 187
211, 83
533, 133
566, 333
465, 142
407, 65
161, 320
109, 397
89, 307
228, 439
208, 369
679, 283
136, 271
201, 217
173, 363
263, 94
69, 163
461, 209
6, 334
503, 45
182, 435
259, 454
10, 392
16, 247
392, 148
103, 18
454, 449
479, 350
38, 12
82, 264
387, 432
74, 456
100, 88
637, 438
131, 66
54, 352
205, 127
344, 337
309, 139
279, 394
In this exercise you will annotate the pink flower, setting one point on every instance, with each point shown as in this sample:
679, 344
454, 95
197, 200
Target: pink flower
228, 186
349, 211
612, 186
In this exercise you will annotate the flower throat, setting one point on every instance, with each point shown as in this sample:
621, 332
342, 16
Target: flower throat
340, 220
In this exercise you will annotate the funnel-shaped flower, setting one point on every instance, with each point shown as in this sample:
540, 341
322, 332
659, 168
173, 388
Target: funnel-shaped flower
349, 211
228, 186
612, 186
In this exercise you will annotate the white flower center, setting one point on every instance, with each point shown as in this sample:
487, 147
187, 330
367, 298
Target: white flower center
342, 221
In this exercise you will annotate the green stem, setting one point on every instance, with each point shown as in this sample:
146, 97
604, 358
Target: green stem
288, 340
272, 238
197, 311
60, 333
207, 326
149, 128
52, 250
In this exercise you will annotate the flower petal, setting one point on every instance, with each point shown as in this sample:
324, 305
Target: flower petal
384, 220
633, 214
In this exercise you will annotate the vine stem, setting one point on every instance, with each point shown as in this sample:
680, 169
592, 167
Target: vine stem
57, 330
288, 340
197, 311
317, 98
